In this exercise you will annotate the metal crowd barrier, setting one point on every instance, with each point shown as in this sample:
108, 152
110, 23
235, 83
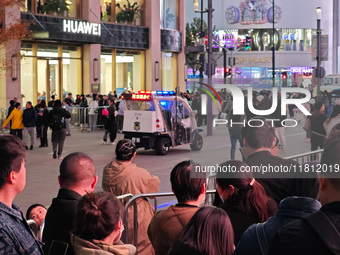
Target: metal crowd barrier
79, 116
307, 156
133, 202
34, 227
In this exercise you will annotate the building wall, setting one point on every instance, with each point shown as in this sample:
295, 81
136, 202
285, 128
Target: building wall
82, 84
294, 14
10, 88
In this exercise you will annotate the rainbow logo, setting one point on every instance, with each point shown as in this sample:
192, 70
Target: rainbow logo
209, 93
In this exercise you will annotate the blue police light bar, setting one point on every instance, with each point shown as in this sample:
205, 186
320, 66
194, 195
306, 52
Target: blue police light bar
164, 103
165, 93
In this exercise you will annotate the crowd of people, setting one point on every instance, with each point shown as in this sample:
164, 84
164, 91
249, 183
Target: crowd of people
106, 110
295, 214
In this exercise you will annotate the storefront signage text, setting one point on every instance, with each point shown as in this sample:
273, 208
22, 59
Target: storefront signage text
252, 60
81, 27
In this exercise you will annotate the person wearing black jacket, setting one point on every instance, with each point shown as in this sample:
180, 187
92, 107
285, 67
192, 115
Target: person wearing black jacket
43, 123
10, 109
51, 103
56, 119
258, 144
113, 123
77, 176
29, 119
319, 232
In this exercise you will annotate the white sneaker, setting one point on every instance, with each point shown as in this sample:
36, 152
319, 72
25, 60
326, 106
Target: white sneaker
104, 142
113, 143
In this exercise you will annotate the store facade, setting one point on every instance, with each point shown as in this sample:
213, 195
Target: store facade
245, 28
84, 50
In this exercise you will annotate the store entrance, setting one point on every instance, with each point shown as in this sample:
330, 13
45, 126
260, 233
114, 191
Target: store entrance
48, 78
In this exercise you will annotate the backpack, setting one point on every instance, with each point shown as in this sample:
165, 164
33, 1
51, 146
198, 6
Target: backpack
57, 122
325, 229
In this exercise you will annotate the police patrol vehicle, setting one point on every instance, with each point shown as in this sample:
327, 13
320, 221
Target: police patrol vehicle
160, 120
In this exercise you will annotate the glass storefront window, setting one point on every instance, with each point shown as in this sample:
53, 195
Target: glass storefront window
72, 69
40, 72
106, 10
129, 71
106, 71
261, 39
169, 71
65, 8
168, 11
26, 73
125, 13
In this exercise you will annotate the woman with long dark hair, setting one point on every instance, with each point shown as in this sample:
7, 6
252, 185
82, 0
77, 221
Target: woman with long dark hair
209, 232
333, 120
99, 226
244, 199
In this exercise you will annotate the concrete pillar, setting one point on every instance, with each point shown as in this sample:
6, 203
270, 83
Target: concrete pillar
9, 86
181, 56
153, 54
91, 13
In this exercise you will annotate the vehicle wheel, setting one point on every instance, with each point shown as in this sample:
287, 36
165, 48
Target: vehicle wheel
162, 146
197, 143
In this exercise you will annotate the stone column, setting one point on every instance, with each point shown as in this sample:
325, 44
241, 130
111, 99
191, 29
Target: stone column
153, 54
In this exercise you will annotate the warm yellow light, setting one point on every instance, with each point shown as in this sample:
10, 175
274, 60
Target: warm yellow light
196, 5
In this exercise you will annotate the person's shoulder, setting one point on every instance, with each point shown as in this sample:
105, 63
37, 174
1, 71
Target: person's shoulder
293, 232
248, 243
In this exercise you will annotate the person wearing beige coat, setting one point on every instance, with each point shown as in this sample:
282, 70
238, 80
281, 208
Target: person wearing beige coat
121, 177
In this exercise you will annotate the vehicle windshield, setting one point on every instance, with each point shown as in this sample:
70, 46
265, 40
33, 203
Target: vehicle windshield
136, 105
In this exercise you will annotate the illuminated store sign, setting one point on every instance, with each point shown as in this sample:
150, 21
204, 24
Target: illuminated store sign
81, 27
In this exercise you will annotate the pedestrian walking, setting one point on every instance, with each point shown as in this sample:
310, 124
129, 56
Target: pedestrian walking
67, 121
43, 123
57, 123
29, 120
16, 118
93, 108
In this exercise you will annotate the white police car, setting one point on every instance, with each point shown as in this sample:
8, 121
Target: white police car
160, 120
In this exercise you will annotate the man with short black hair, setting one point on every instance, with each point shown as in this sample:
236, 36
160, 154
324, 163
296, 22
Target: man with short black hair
51, 103
69, 99
258, 142
166, 226
77, 177
319, 232
15, 235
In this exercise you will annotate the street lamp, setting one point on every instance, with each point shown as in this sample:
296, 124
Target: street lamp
318, 57
201, 35
273, 43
